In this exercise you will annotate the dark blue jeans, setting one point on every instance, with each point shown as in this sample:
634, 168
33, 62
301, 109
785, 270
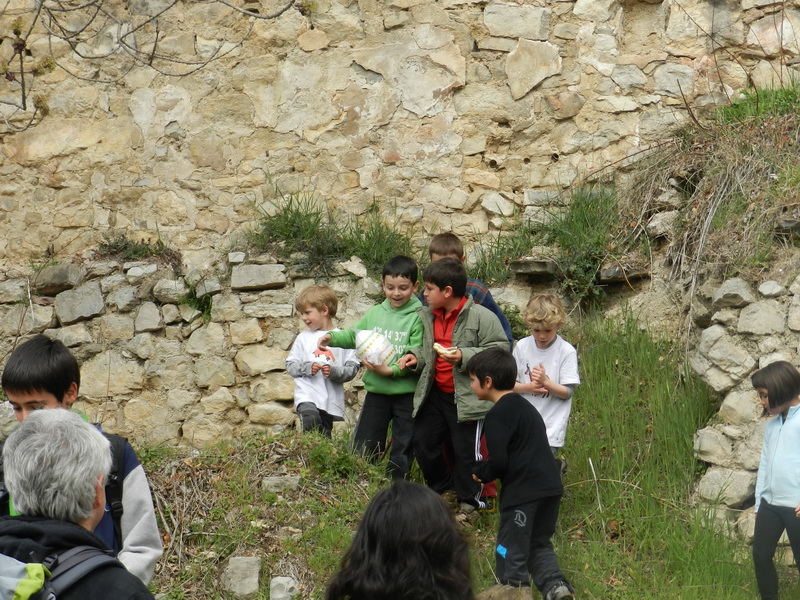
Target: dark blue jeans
771, 521
369, 437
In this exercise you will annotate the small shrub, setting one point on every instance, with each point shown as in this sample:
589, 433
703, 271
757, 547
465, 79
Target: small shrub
493, 256
202, 303
121, 247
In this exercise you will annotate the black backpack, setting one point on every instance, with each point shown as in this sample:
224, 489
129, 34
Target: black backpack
54, 575
113, 484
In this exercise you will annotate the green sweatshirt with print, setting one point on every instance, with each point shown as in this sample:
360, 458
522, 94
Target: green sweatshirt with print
403, 328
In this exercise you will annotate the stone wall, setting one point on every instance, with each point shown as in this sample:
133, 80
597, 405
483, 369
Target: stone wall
156, 369
458, 113
744, 329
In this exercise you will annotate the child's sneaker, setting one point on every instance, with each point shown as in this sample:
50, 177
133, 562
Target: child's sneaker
489, 504
560, 591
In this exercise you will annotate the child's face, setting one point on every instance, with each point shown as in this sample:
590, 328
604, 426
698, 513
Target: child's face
435, 296
763, 396
478, 387
398, 289
315, 319
26, 402
543, 335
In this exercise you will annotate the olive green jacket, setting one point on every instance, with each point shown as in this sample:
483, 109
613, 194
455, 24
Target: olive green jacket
476, 329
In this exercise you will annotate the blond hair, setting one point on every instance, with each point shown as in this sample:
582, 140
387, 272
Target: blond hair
545, 311
319, 297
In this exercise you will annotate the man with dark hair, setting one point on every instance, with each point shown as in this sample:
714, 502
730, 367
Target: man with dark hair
55, 467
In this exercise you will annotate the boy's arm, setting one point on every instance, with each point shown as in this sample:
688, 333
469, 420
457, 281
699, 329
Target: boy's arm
490, 335
295, 365
346, 370
497, 441
141, 541
481, 294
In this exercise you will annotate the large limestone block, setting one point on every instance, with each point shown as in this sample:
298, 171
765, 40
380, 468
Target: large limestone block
529, 64
719, 361
773, 36
170, 290
97, 142
674, 80
80, 303
270, 413
255, 360
166, 371
272, 386
115, 327
423, 68
155, 425
218, 402
213, 372
110, 374
13, 290
740, 407
514, 21
241, 576
207, 340
201, 431
57, 278
793, 316
246, 331
735, 292
258, 277
597, 11
762, 318
71, 335
22, 319
148, 318
713, 446
731, 487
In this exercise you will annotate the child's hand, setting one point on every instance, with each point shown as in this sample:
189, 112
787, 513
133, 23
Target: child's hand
453, 358
323, 342
382, 370
326, 370
538, 378
797, 511
407, 361
315, 368
475, 478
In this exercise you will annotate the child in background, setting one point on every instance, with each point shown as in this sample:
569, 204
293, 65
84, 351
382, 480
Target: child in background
448, 245
43, 373
778, 484
318, 374
390, 389
445, 408
520, 457
407, 547
547, 367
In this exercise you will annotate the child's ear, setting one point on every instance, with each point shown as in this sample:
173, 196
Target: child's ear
324, 312
447, 291
415, 288
487, 382
70, 395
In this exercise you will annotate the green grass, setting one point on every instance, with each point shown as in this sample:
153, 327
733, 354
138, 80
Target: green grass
765, 103
121, 247
301, 227
494, 254
628, 528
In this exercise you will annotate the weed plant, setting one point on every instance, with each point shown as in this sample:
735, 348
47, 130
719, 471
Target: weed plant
121, 247
582, 236
303, 227
493, 255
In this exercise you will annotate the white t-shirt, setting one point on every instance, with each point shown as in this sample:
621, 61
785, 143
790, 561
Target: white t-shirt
560, 361
324, 393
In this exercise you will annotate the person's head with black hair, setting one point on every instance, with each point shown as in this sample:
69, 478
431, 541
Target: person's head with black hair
407, 547
41, 373
445, 283
494, 368
399, 279
778, 386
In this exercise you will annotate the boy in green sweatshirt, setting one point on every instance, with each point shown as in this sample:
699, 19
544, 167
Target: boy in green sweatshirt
390, 389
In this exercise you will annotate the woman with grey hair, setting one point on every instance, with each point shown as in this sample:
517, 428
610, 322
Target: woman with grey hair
55, 466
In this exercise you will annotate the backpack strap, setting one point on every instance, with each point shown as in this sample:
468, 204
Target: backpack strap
114, 482
68, 567
5, 508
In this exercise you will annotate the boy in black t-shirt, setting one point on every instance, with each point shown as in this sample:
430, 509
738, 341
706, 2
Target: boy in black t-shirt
520, 457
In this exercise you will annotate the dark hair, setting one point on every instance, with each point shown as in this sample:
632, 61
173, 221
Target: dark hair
446, 244
407, 547
401, 266
497, 363
448, 271
41, 365
781, 380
